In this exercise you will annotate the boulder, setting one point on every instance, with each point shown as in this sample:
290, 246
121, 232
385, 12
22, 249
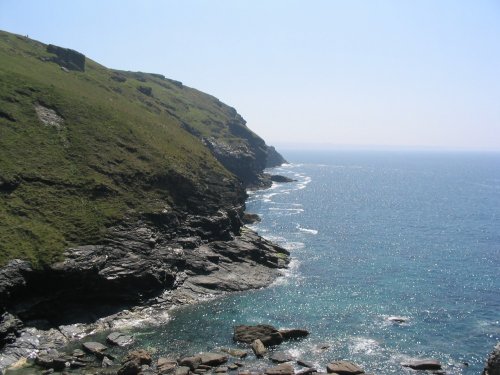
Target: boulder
423, 364
258, 348
248, 334
273, 339
95, 348
283, 369
182, 370
134, 362
493, 363
119, 339
213, 359
165, 365
106, 362
289, 334
221, 369
343, 368
191, 362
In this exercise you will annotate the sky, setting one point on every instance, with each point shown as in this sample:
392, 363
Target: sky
310, 73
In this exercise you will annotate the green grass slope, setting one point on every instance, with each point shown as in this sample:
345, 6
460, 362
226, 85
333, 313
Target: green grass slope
120, 151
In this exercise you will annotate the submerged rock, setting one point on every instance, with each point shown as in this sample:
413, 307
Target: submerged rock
95, 348
280, 358
294, 333
119, 339
423, 364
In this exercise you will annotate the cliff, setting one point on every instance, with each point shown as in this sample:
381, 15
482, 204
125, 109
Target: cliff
117, 187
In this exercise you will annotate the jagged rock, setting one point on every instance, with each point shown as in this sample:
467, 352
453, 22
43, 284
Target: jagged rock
9, 328
273, 339
274, 158
119, 339
94, 348
52, 359
283, 369
249, 218
165, 365
280, 358
258, 348
493, 363
106, 362
213, 359
343, 368
423, 364
289, 334
134, 361
191, 362
239, 353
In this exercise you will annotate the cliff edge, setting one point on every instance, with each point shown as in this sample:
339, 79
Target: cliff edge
117, 190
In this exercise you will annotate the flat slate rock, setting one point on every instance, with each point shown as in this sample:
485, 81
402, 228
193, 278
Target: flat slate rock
280, 358
95, 348
423, 364
302, 363
238, 353
283, 369
119, 339
213, 359
343, 368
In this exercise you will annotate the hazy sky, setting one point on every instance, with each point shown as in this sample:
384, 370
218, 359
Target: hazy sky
410, 73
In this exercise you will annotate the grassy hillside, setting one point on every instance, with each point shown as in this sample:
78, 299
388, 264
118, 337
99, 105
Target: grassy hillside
115, 147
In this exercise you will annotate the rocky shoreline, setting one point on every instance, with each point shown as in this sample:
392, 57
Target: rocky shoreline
139, 277
256, 351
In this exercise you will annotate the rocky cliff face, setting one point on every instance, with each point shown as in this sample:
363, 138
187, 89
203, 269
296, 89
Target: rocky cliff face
118, 190
493, 363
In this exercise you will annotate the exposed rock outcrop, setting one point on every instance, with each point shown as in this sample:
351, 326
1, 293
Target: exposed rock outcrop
274, 158
68, 58
493, 363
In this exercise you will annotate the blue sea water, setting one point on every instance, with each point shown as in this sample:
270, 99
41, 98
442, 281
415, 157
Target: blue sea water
372, 235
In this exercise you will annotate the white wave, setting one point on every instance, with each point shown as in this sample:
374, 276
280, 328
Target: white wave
364, 345
293, 245
306, 230
303, 184
288, 273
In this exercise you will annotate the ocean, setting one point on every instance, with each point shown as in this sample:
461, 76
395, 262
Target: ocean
372, 234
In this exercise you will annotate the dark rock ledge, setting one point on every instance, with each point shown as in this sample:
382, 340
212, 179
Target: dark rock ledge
138, 275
